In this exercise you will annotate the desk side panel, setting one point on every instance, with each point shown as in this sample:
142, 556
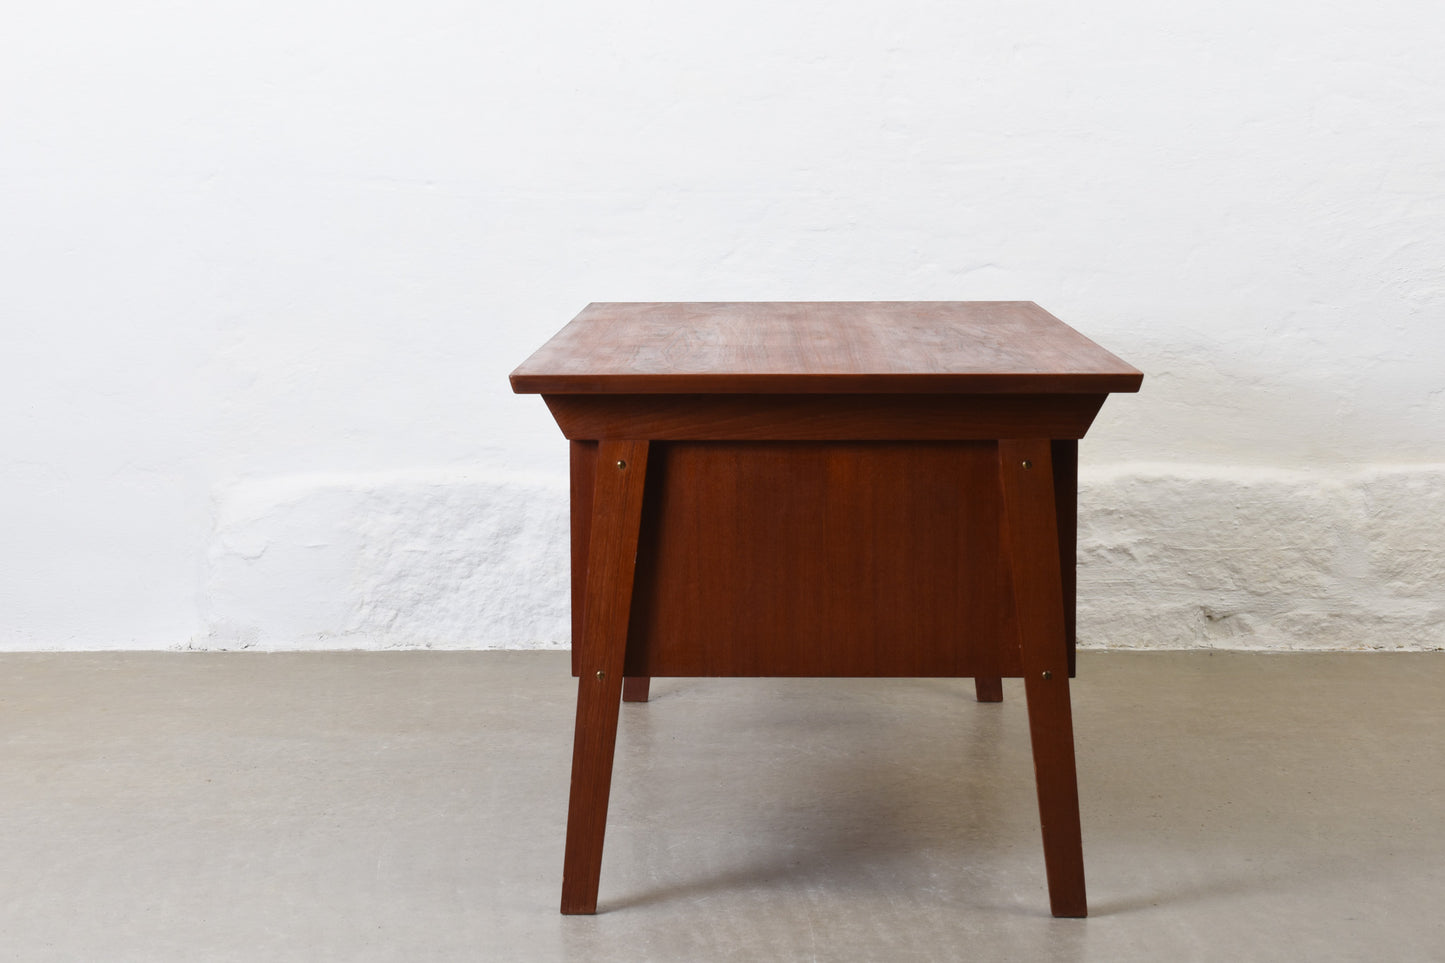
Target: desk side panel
820, 559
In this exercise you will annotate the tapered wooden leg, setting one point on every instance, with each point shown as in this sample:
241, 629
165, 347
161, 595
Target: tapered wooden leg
634, 688
988, 689
611, 560
1031, 546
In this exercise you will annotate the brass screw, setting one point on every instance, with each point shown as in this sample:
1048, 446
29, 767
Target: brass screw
601, 675
621, 465
1028, 464
1047, 675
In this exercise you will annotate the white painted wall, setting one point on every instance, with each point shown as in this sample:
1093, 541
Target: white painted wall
264, 268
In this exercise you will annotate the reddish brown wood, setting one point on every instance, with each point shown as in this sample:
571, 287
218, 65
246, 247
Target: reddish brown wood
612, 550
988, 688
989, 656
810, 559
826, 496
827, 347
1031, 546
1066, 509
857, 417
634, 688
584, 476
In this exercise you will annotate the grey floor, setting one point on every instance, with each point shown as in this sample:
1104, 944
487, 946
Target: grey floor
411, 806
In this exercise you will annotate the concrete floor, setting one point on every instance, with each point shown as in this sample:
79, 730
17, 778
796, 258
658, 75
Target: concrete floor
410, 806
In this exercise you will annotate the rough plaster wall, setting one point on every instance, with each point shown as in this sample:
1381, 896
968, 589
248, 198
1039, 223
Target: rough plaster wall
1177, 556
450, 560
1169, 557
264, 268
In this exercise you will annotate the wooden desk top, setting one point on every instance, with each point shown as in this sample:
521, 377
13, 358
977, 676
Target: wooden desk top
821, 347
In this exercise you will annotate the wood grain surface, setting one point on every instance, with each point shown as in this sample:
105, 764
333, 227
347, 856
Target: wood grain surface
821, 347
845, 417
738, 486
612, 551
823, 489
821, 559
1030, 551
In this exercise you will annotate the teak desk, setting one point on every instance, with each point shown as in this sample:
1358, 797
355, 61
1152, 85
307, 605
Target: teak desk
823, 489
